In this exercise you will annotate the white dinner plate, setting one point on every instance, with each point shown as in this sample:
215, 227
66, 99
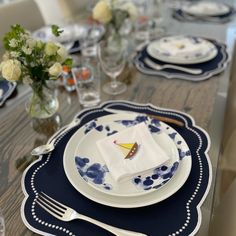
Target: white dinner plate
102, 196
182, 49
206, 9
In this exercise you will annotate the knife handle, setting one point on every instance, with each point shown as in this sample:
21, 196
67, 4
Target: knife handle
168, 120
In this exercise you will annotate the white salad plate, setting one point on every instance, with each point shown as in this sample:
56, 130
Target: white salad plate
84, 167
206, 9
182, 49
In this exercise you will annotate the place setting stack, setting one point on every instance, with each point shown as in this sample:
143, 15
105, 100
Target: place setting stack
211, 12
132, 166
183, 57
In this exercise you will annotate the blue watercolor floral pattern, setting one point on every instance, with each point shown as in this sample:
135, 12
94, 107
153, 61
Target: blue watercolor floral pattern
158, 177
94, 173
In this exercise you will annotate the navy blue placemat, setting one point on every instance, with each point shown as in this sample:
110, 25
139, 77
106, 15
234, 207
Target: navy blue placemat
178, 215
209, 68
180, 15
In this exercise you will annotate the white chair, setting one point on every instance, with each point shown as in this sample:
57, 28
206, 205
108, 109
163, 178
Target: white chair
23, 12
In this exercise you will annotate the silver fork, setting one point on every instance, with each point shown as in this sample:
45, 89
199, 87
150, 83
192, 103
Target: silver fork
168, 66
65, 213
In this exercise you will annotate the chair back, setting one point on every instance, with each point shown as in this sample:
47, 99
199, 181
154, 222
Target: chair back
23, 12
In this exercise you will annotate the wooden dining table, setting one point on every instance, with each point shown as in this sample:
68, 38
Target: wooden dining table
204, 101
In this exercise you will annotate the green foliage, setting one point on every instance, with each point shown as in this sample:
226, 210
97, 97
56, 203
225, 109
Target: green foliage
56, 31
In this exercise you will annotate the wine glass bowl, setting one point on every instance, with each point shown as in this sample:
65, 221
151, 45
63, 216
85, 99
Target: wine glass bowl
112, 56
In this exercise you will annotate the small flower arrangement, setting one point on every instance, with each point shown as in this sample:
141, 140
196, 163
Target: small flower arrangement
32, 61
114, 12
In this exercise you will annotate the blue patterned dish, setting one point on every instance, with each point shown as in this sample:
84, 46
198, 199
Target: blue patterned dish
209, 68
6, 90
89, 164
181, 15
182, 49
206, 9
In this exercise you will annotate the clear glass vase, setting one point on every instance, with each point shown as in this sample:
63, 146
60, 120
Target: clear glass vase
42, 103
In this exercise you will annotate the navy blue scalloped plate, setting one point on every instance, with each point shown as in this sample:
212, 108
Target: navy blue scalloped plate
178, 215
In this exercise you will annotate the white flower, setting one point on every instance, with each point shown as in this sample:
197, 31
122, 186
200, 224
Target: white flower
102, 12
31, 43
26, 50
15, 54
27, 80
55, 70
51, 48
39, 44
62, 52
11, 70
13, 43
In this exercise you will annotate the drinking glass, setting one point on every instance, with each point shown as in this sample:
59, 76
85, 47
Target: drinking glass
87, 82
112, 58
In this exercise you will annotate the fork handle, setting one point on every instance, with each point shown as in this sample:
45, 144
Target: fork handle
116, 231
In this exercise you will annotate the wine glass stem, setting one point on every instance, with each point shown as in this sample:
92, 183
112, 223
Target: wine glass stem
113, 82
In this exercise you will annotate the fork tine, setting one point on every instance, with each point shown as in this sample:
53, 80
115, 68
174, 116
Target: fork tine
53, 201
52, 212
50, 205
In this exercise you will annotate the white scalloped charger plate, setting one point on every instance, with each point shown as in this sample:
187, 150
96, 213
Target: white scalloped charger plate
161, 49
139, 200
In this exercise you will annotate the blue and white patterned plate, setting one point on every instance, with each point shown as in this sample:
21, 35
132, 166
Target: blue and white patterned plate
82, 158
182, 15
206, 9
209, 68
182, 49
6, 90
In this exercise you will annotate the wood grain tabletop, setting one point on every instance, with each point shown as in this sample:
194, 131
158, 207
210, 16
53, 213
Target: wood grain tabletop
19, 134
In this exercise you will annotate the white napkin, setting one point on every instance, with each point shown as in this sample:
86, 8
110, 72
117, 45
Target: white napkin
114, 150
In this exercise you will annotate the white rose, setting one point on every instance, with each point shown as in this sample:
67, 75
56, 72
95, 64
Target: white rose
102, 12
62, 52
11, 70
51, 48
55, 70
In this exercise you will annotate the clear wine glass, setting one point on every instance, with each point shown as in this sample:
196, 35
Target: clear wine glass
112, 58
